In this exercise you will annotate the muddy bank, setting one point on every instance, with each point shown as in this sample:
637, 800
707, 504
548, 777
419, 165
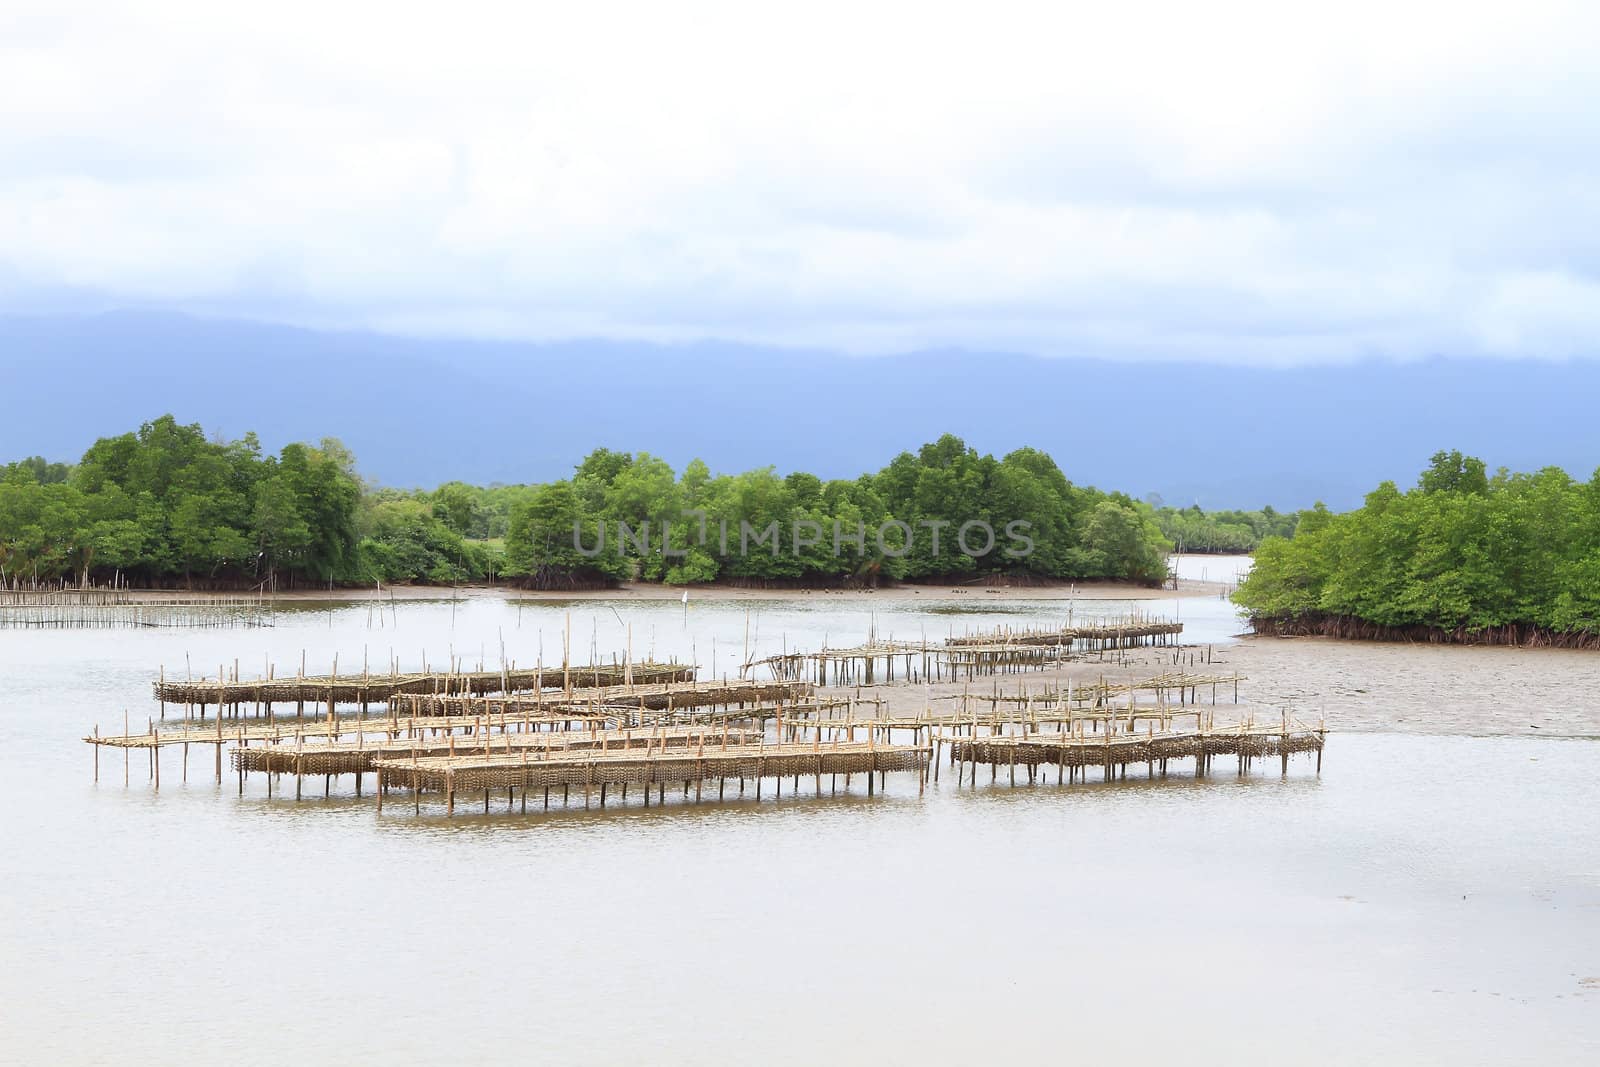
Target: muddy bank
1356, 685
1433, 689
976, 594
1349, 627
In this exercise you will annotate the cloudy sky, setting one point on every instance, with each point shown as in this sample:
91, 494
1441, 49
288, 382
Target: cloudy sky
1248, 183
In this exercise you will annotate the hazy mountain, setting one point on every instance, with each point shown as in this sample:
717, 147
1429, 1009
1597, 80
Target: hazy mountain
418, 412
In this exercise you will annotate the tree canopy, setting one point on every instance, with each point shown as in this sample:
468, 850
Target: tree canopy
166, 506
1194, 530
928, 515
1460, 552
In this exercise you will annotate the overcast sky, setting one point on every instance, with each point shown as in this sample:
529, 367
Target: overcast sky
1246, 183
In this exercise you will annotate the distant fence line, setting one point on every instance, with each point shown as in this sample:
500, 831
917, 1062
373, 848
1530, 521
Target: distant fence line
102, 608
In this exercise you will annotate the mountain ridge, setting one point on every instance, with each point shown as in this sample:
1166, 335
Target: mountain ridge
419, 411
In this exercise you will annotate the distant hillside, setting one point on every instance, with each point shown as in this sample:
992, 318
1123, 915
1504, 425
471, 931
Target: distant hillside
418, 412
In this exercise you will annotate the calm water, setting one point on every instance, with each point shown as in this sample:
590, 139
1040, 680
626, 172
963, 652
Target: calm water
1205, 568
1424, 900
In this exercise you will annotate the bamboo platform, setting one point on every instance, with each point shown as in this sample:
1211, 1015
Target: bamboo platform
1161, 717
978, 660
595, 771
644, 726
1185, 686
366, 687
357, 757
889, 662
277, 731
1121, 633
421, 731
1072, 752
859, 664
524, 718
664, 696
1003, 650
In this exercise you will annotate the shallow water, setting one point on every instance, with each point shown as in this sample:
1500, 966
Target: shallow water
1195, 567
1424, 899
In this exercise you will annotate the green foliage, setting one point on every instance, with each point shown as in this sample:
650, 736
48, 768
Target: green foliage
1462, 550
1194, 530
540, 544
43, 471
165, 505
456, 505
1121, 541
1451, 472
403, 540
757, 526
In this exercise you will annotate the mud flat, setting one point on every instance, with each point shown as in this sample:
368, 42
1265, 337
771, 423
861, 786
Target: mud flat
1374, 687
1425, 689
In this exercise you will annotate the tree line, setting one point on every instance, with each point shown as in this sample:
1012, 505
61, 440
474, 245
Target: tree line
903, 523
1193, 530
166, 506
1461, 556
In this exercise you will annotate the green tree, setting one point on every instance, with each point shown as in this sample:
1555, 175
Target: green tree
1123, 543
543, 543
1460, 553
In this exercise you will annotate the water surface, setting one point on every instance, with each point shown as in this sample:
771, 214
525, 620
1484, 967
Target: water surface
1426, 899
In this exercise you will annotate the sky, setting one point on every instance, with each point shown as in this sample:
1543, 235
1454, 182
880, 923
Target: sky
1244, 183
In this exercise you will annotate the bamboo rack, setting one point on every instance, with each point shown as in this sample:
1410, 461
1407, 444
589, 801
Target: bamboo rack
644, 726
655, 696
600, 771
1073, 751
367, 687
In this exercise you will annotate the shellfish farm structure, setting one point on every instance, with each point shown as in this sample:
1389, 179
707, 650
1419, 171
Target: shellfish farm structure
1002, 650
1074, 750
367, 688
1130, 632
604, 731
597, 771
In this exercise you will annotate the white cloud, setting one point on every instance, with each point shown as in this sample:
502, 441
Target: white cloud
1245, 182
